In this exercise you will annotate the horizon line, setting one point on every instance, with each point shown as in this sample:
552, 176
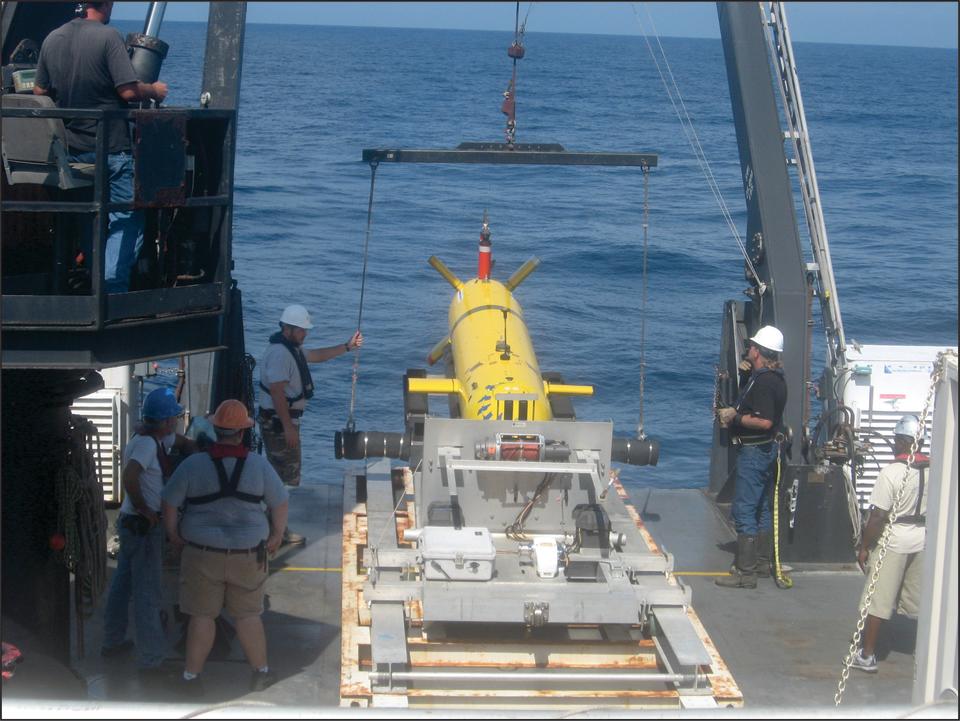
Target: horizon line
541, 32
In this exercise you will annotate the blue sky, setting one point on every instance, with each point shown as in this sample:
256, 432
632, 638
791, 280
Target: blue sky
921, 24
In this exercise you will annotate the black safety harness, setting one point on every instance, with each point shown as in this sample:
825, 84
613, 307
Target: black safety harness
163, 458
766, 438
228, 486
916, 518
306, 380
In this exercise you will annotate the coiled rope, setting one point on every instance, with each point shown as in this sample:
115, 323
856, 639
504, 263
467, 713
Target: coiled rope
81, 518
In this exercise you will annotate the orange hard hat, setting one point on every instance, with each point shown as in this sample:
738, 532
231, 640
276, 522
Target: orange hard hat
233, 415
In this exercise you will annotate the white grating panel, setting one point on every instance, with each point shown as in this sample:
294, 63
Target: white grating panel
872, 423
883, 383
100, 409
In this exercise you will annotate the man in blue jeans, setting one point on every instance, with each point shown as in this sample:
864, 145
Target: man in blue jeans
139, 565
754, 423
84, 64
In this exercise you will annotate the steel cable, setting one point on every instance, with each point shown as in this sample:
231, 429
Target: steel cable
351, 425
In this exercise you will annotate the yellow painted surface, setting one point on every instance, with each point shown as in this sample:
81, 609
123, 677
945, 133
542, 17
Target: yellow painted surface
483, 314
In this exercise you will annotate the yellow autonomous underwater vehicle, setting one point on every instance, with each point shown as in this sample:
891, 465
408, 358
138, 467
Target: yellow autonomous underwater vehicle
492, 374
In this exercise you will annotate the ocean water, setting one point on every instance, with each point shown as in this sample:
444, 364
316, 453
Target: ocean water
883, 125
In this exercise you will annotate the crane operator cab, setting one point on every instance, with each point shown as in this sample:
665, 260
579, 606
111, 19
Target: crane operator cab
61, 307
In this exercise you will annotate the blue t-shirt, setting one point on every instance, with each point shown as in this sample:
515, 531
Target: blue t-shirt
225, 522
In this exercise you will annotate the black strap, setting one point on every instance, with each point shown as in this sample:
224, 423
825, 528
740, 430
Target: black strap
166, 465
228, 486
916, 512
306, 380
917, 517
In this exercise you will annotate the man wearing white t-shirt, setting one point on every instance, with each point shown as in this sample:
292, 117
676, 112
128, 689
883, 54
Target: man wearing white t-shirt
898, 585
146, 466
285, 387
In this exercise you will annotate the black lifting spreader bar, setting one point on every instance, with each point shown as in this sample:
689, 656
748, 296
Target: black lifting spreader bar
357, 445
500, 154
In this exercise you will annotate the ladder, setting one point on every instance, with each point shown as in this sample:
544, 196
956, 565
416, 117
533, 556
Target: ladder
781, 51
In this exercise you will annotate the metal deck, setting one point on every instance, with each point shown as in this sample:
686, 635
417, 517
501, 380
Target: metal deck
784, 648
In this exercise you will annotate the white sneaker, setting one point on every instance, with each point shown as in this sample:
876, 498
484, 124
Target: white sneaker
866, 664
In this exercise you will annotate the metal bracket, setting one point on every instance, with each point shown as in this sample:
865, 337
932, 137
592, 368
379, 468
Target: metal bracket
536, 613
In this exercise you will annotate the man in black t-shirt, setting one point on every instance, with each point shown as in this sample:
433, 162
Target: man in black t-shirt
84, 64
754, 423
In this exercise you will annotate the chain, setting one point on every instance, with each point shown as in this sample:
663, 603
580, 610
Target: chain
936, 375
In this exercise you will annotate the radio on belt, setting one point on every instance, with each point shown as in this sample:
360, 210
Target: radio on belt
457, 554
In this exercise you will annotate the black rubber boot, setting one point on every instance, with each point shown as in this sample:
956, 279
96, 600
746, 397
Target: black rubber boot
744, 575
764, 554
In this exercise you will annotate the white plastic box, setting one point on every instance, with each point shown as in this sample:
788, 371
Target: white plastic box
457, 554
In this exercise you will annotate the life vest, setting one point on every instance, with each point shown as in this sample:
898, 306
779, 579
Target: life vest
228, 486
920, 462
306, 380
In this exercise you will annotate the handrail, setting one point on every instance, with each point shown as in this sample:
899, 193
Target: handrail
91, 311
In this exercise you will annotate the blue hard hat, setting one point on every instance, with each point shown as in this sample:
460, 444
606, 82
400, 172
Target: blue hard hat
160, 404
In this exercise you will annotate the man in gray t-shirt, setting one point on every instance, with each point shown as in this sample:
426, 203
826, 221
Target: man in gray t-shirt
225, 539
85, 65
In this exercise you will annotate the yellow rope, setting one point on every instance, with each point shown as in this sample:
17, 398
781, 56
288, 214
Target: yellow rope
782, 580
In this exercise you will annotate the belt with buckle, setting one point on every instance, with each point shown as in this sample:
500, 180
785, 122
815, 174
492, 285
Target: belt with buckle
228, 551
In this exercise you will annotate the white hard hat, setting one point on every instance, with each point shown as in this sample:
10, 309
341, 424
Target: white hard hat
296, 315
907, 426
770, 338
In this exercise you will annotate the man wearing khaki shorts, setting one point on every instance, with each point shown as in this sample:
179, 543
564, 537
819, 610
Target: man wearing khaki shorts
898, 583
225, 538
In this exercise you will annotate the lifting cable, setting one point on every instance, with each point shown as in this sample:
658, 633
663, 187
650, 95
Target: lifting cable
643, 303
351, 425
680, 108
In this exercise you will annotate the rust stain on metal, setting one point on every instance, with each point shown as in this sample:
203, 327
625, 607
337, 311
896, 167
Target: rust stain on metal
415, 610
637, 520
725, 689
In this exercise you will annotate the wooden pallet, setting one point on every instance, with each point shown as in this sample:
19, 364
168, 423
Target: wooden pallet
584, 648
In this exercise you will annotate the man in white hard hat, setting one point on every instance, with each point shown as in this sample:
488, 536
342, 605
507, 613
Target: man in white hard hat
754, 423
286, 386
898, 585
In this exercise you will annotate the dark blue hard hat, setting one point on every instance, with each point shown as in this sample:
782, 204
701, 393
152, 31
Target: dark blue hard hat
160, 404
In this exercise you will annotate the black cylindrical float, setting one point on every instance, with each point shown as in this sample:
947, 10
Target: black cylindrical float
357, 445
635, 451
